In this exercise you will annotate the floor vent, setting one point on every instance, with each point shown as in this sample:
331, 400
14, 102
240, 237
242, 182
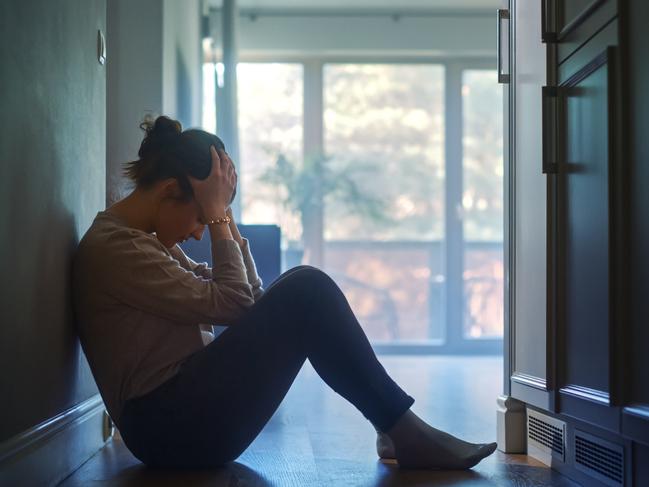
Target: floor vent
599, 458
546, 437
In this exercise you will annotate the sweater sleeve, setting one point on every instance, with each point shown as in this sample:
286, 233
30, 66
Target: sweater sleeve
142, 273
254, 280
203, 269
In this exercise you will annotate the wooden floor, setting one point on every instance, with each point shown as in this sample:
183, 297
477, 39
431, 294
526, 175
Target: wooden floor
316, 438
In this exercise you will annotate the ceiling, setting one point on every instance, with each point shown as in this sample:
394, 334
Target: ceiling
419, 5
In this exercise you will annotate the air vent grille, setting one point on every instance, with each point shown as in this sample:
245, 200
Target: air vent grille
599, 458
546, 437
546, 434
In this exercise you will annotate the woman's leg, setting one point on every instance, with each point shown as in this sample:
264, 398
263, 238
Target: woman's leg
415, 443
305, 315
286, 274
338, 348
224, 395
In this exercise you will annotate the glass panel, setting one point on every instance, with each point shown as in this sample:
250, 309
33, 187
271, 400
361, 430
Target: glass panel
270, 125
209, 107
482, 202
384, 211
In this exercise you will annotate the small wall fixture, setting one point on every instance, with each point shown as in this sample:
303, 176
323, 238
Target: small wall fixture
101, 47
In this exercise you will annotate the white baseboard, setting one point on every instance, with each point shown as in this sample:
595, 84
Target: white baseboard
511, 425
52, 450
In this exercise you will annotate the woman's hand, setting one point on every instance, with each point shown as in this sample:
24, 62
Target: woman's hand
216, 192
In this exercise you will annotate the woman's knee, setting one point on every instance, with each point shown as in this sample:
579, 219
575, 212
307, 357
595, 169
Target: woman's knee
296, 269
308, 275
301, 284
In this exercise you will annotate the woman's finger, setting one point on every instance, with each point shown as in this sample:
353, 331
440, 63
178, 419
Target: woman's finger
230, 163
227, 157
216, 160
223, 159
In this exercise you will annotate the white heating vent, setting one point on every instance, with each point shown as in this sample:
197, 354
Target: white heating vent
546, 437
599, 458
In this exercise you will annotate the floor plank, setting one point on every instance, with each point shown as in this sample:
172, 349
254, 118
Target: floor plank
316, 438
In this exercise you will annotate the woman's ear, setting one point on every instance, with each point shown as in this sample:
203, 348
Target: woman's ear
170, 189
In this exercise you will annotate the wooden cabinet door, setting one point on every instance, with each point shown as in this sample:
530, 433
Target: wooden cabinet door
528, 196
586, 231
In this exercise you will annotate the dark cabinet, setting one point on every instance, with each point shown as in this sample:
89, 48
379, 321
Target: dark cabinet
569, 24
585, 130
583, 143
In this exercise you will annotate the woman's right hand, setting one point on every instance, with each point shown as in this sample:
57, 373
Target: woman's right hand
214, 194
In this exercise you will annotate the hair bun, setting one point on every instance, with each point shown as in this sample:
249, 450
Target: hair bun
159, 133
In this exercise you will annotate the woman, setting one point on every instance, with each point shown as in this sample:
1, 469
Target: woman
181, 398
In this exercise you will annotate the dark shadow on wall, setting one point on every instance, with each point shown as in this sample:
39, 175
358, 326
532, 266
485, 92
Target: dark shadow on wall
43, 368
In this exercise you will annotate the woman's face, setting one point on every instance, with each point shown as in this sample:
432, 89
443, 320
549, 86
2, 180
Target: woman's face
177, 221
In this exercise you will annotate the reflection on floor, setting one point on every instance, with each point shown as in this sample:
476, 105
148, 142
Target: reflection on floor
316, 438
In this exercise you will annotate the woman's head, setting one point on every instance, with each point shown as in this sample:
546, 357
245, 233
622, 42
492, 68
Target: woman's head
168, 156
168, 152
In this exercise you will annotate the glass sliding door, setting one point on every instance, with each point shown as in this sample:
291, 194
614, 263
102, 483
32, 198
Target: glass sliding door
270, 100
409, 186
482, 204
384, 222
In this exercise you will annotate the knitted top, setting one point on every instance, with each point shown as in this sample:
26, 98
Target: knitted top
142, 309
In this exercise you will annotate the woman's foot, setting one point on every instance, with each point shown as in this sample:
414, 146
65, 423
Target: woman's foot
419, 445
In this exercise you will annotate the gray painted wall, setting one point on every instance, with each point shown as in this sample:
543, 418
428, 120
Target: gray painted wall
153, 67
182, 61
63, 116
52, 183
134, 82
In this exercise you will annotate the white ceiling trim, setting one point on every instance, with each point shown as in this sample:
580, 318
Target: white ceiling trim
433, 6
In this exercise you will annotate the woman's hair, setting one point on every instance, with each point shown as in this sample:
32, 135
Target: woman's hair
169, 152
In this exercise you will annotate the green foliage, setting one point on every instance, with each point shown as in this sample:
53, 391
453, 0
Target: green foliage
310, 184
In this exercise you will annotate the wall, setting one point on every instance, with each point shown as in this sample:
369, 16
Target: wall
134, 82
182, 63
52, 183
153, 67
288, 34
60, 106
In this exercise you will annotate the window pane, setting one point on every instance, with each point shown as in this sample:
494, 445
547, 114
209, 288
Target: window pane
384, 223
482, 201
384, 129
270, 124
209, 107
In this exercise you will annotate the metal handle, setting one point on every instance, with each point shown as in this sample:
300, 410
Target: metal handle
502, 14
549, 102
502, 77
546, 34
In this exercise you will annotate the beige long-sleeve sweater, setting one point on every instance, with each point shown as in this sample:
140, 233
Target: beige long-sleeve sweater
140, 307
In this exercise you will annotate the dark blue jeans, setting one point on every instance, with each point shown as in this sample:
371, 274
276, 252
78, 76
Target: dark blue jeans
223, 395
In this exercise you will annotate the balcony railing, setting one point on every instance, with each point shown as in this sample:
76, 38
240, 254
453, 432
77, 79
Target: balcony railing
397, 290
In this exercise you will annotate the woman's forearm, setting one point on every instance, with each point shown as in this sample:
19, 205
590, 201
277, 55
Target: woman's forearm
251, 271
233, 227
